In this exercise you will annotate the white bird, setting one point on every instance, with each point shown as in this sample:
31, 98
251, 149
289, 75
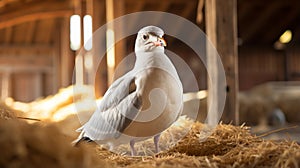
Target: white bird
142, 103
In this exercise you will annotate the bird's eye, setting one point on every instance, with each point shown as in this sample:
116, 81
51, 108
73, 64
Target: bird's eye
145, 36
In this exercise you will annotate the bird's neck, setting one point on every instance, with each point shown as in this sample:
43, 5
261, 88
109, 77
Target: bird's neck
148, 59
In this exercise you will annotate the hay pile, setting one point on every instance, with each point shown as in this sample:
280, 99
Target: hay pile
44, 145
258, 104
228, 146
47, 143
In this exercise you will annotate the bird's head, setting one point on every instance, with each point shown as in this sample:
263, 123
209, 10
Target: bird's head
149, 39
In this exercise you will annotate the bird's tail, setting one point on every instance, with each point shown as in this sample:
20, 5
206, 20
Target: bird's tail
80, 138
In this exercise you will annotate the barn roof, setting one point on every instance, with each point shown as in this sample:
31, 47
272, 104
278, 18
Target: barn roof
27, 22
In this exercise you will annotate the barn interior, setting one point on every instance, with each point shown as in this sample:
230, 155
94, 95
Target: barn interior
57, 79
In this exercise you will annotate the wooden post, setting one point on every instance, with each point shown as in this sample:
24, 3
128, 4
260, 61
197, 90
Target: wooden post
98, 46
221, 29
114, 9
110, 39
66, 55
119, 6
5, 85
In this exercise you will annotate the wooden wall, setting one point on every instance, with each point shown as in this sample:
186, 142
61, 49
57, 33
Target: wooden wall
35, 68
261, 64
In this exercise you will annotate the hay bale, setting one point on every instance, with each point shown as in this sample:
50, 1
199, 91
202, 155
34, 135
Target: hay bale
289, 103
6, 112
259, 103
254, 108
33, 145
44, 145
227, 146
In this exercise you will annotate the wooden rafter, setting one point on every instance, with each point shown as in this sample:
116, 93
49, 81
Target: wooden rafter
185, 13
289, 17
5, 2
8, 34
136, 7
258, 23
35, 11
30, 32
32, 48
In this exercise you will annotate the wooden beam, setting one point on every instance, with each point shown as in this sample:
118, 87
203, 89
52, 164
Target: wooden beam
5, 2
245, 7
35, 11
8, 35
115, 9
283, 23
5, 85
32, 48
25, 68
66, 55
162, 1
32, 17
119, 10
30, 32
221, 29
185, 13
98, 16
135, 7
258, 23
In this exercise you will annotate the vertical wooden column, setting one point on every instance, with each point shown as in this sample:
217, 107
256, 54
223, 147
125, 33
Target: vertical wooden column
66, 56
114, 9
221, 29
98, 16
6, 85
79, 71
120, 46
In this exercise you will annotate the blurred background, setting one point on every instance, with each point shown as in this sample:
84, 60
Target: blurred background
259, 43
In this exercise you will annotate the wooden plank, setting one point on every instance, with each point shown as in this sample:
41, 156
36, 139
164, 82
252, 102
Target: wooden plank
19, 34
8, 35
38, 85
120, 46
5, 2
213, 89
289, 17
35, 11
66, 55
186, 11
19, 82
33, 17
258, 23
44, 35
25, 68
5, 85
43, 48
221, 29
135, 7
30, 31
110, 57
25, 60
98, 46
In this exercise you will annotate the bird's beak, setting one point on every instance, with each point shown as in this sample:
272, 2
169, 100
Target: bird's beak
160, 42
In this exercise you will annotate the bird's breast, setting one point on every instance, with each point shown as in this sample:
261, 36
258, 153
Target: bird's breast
161, 102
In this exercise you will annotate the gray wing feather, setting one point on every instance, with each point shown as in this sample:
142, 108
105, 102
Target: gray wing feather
115, 112
116, 92
111, 123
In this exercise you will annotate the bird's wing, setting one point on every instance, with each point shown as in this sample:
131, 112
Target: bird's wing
119, 89
121, 108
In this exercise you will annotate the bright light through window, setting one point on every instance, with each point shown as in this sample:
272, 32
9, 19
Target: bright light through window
110, 37
75, 32
286, 37
88, 32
